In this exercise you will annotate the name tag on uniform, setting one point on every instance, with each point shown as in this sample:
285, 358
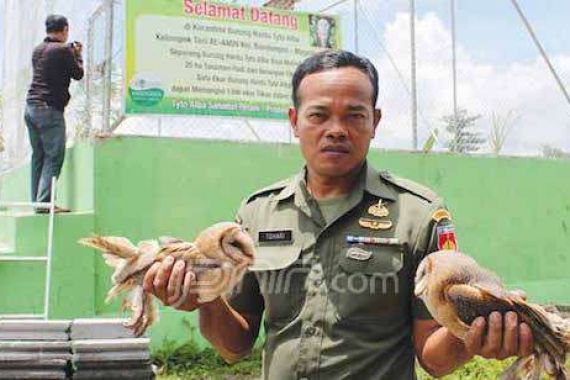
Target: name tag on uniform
276, 237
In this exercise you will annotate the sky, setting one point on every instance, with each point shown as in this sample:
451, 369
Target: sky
477, 23
491, 29
500, 71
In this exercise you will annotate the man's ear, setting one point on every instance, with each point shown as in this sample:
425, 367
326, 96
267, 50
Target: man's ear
377, 118
293, 120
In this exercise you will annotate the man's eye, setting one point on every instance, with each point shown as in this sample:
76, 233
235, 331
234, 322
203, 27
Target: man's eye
316, 115
358, 116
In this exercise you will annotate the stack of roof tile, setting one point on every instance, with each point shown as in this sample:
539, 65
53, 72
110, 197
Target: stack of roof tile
34, 349
105, 349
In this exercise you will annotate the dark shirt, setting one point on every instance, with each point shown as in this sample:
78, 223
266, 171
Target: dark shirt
54, 63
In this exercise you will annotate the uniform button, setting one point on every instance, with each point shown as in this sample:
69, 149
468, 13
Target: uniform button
311, 330
318, 282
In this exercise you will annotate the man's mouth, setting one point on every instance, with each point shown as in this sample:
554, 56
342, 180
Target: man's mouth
339, 149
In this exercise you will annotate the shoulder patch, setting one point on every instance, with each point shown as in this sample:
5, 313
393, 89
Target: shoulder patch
446, 238
411, 187
268, 190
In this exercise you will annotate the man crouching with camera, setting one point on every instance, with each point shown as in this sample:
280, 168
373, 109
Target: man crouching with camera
55, 63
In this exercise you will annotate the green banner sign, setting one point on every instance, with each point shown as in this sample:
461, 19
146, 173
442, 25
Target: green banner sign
203, 58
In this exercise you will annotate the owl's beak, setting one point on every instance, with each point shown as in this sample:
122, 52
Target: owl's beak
237, 245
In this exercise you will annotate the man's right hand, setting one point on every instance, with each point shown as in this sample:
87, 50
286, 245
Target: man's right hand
230, 332
169, 281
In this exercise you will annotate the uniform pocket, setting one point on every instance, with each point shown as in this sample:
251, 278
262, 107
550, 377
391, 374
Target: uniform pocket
370, 282
281, 279
370, 261
274, 257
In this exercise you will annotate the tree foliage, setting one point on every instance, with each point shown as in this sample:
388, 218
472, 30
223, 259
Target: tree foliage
553, 153
501, 127
465, 138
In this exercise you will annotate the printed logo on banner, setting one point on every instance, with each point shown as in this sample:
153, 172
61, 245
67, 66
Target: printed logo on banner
146, 89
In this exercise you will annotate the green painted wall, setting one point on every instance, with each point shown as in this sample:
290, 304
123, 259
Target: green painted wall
512, 214
73, 271
25, 234
75, 185
174, 187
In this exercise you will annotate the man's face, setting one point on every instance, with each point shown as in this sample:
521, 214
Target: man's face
65, 34
335, 121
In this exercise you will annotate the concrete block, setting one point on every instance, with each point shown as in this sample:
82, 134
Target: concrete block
100, 328
127, 374
33, 374
111, 356
34, 330
30, 357
34, 335
44, 364
43, 326
123, 364
34, 346
99, 345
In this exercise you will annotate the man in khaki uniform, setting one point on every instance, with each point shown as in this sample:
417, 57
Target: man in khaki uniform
337, 249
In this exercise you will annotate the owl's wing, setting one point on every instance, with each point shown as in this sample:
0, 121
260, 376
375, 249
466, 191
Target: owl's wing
471, 301
115, 245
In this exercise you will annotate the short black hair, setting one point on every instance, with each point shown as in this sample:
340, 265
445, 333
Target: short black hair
334, 59
56, 23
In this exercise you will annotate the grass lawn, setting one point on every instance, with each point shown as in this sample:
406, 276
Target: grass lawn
189, 363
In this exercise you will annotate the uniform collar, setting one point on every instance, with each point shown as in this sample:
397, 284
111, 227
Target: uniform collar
373, 184
376, 186
291, 187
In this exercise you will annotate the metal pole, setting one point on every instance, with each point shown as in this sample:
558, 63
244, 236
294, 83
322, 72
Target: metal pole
252, 130
356, 26
108, 67
453, 58
541, 50
330, 6
4, 153
49, 248
88, 78
413, 69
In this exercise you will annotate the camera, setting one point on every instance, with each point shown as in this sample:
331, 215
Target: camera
75, 45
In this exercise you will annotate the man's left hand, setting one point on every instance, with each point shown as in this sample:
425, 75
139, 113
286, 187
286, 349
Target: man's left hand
499, 337
77, 48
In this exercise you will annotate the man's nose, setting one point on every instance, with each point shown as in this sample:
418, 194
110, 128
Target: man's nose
337, 129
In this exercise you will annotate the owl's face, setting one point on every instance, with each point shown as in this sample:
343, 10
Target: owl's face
423, 277
443, 268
